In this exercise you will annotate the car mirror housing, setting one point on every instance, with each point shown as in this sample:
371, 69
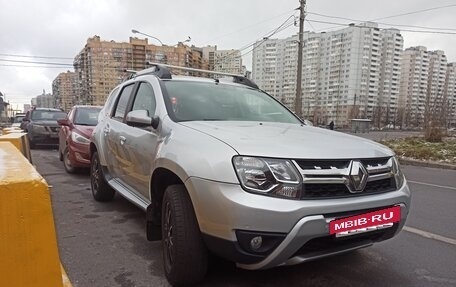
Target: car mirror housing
63, 122
140, 118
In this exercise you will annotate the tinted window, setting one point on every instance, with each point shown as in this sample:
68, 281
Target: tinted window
123, 102
87, 116
145, 99
195, 101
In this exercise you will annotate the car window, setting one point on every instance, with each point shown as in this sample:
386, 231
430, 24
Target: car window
122, 103
145, 99
86, 116
48, 115
195, 101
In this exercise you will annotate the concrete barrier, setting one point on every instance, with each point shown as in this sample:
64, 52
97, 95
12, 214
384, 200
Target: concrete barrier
20, 141
28, 245
6, 131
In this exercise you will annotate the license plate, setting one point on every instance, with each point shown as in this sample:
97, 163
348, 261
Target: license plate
365, 222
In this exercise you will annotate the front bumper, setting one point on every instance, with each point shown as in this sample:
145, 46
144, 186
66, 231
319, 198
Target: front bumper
222, 209
79, 155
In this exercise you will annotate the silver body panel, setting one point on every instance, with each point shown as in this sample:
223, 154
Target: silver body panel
200, 154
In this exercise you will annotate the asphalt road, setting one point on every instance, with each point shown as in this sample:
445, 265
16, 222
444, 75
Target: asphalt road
104, 244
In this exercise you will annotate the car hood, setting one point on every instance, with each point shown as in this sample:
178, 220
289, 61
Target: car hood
45, 123
86, 131
289, 140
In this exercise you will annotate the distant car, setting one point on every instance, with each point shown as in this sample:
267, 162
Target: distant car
17, 120
41, 126
74, 136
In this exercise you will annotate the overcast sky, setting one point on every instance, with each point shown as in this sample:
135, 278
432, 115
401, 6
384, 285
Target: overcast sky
60, 28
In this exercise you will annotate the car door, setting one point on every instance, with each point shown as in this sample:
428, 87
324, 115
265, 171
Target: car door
112, 131
140, 143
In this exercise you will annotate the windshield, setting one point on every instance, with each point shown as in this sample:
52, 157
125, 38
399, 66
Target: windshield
195, 101
18, 119
87, 116
48, 115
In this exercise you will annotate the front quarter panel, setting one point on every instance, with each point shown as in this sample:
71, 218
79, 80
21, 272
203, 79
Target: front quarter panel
190, 153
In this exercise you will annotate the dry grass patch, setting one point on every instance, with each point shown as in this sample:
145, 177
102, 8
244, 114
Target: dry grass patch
418, 148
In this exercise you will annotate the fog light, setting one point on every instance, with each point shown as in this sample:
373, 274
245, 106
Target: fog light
256, 242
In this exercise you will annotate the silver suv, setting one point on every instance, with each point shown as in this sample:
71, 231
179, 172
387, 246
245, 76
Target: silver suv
220, 166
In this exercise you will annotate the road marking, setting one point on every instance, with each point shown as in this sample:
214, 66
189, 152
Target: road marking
430, 235
434, 185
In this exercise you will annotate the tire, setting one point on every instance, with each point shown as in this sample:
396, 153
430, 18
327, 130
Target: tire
184, 254
60, 154
66, 161
101, 190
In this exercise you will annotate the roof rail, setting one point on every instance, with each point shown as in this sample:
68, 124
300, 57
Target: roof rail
161, 71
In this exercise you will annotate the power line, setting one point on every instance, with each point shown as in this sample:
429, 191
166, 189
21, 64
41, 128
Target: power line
280, 28
405, 30
255, 24
29, 66
40, 57
33, 62
399, 15
415, 12
400, 25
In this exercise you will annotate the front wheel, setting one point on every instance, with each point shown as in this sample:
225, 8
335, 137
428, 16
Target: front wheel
67, 162
101, 190
184, 253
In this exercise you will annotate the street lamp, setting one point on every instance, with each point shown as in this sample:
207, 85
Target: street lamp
137, 32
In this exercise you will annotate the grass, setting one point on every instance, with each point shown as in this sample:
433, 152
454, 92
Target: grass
418, 148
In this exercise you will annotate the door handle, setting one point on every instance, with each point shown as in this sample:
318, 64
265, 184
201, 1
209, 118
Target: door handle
122, 140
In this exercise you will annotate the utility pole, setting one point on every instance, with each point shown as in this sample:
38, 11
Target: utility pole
298, 98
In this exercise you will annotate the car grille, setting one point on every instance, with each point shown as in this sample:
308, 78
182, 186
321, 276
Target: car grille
331, 178
53, 129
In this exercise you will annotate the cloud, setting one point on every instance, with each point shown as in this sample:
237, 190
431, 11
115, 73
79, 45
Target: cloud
61, 28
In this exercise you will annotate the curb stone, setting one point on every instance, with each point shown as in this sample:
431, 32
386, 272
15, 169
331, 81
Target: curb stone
433, 164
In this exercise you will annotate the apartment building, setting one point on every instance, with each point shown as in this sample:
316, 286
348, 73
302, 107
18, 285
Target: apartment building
423, 85
64, 89
450, 95
43, 101
349, 73
101, 65
224, 61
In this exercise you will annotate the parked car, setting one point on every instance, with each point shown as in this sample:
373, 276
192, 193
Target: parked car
220, 166
74, 136
17, 120
41, 126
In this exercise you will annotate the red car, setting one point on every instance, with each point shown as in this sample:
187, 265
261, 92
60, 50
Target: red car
74, 136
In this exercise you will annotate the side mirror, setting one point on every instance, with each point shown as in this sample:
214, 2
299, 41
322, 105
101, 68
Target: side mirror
140, 118
63, 122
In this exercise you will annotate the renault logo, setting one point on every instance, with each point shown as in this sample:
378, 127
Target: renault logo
357, 178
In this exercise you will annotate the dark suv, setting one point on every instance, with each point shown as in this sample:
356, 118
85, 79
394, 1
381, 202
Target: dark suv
42, 127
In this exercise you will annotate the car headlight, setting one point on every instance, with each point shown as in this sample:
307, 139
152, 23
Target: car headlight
38, 129
77, 138
275, 177
397, 172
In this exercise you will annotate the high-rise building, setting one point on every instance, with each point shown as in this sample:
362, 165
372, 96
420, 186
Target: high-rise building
64, 89
224, 61
349, 73
43, 101
101, 65
450, 95
422, 89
